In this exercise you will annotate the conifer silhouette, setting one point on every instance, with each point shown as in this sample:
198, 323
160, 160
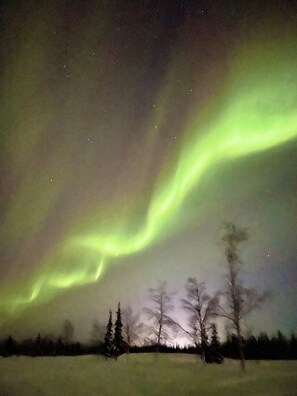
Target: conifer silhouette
118, 341
108, 342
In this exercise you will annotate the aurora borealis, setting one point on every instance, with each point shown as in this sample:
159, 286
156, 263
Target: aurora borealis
120, 125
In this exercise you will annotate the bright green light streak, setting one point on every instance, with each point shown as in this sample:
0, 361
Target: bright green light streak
259, 113
47, 285
243, 129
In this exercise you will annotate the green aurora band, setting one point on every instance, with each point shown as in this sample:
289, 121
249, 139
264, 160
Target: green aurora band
255, 111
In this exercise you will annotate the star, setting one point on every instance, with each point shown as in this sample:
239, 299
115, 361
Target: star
123, 188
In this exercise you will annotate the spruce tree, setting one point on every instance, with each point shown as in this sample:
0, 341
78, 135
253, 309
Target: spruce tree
118, 341
214, 340
213, 354
108, 344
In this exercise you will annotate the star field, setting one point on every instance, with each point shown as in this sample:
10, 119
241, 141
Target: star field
130, 134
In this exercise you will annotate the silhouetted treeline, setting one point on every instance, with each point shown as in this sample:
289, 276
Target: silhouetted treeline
162, 349
277, 347
48, 347
44, 346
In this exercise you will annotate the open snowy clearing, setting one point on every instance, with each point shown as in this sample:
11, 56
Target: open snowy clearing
141, 375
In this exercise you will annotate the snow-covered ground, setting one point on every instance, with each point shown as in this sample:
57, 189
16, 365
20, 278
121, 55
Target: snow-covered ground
141, 374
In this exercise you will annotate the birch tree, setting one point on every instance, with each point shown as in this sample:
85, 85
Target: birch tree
239, 300
202, 308
162, 306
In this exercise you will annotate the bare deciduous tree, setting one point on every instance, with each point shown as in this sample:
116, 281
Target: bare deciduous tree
202, 308
162, 306
132, 328
68, 331
97, 333
240, 301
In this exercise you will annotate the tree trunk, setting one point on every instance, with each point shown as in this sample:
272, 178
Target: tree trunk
203, 355
240, 348
197, 352
128, 345
159, 339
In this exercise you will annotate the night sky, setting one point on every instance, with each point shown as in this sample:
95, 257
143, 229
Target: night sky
130, 132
